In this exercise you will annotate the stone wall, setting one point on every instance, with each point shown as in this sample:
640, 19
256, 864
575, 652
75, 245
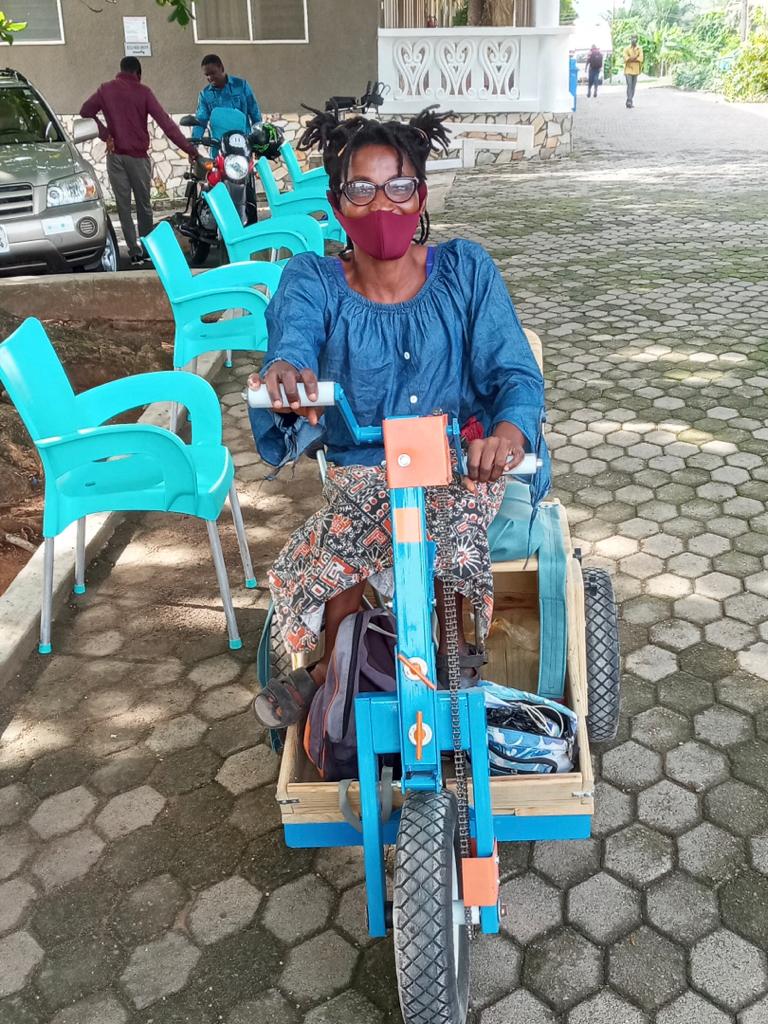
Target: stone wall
552, 139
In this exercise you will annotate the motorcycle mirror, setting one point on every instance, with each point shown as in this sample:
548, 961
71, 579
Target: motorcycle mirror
188, 121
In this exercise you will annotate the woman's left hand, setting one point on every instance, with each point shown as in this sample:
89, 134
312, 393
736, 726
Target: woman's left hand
490, 457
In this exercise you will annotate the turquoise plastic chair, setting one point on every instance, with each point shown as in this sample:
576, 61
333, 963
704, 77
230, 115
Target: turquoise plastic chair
300, 179
92, 468
308, 201
221, 290
299, 233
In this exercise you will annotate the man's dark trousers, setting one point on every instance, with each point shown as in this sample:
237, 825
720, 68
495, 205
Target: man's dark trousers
593, 80
131, 176
631, 86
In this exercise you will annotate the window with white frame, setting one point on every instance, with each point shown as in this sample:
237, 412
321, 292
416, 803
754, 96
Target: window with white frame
251, 21
43, 18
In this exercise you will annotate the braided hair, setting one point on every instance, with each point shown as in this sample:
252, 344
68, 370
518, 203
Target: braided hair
413, 141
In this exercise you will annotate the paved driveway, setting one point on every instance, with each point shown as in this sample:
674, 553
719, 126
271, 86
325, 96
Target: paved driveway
144, 878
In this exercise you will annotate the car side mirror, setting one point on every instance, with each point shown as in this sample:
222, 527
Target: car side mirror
188, 121
85, 129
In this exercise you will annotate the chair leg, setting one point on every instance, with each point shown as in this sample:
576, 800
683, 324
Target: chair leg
245, 554
228, 360
235, 643
79, 587
46, 614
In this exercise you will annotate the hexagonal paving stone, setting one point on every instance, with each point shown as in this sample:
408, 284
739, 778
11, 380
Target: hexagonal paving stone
606, 1008
215, 672
248, 769
564, 968
533, 907
341, 866
729, 970
751, 608
98, 1009
613, 809
722, 727
63, 812
176, 734
651, 663
643, 611
631, 766
15, 896
681, 908
222, 910
697, 766
298, 909
676, 634
730, 634
16, 846
223, 702
669, 585
717, 585
710, 854
660, 729
750, 762
129, 811
351, 916
698, 609
522, 1006
744, 906
19, 956
638, 854
65, 859
159, 969
737, 807
348, 1008
495, 969
691, 1007
149, 910
567, 866
318, 968
270, 1006
603, 908
744, 691
647, 968
668, 807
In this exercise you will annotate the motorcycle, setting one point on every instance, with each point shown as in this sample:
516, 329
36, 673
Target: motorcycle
233, 158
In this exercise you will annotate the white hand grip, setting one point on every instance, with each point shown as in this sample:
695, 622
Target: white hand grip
527, 467
259, 398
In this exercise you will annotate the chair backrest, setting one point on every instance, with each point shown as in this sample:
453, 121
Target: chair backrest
224, 212
35, 380
168, 258
291, 162
269, 182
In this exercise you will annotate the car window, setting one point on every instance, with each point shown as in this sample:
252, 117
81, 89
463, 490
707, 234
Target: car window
24, 118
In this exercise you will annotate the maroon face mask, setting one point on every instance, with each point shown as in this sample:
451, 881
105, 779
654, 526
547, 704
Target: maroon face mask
382, 234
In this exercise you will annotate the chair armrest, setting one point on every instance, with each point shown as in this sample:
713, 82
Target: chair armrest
248, 274
219, 299
118, 396
81, 447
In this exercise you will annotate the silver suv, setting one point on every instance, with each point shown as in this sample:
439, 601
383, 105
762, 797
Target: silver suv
52, 213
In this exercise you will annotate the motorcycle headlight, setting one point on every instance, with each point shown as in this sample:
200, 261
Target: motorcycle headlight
236, 167
77, 189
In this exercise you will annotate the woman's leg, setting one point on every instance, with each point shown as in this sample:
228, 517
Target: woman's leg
336, 610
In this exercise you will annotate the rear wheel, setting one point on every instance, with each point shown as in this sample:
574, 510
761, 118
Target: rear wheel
431, 942
603, 669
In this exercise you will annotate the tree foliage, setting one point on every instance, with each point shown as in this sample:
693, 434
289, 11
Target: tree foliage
747, 80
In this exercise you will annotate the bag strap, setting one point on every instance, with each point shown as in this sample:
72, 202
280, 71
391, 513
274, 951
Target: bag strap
553, 620
385, 799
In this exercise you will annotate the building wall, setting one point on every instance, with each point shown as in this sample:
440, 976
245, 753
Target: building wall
339, 59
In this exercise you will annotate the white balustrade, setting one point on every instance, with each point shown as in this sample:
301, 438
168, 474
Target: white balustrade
475, 70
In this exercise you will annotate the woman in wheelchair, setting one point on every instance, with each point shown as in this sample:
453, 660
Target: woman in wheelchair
406, 329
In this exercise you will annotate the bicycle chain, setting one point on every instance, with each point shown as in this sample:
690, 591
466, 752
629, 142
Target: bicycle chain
446, 548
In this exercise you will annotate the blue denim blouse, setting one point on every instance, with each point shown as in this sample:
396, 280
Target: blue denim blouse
456, 346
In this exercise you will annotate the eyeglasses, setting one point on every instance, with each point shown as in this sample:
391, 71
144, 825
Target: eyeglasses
362, 193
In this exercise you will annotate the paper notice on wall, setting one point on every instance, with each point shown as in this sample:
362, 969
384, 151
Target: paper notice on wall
136, 35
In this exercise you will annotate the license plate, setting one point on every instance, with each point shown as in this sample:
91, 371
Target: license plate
4, 247
58, 225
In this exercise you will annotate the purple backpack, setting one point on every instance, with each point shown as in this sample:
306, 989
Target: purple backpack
363, 661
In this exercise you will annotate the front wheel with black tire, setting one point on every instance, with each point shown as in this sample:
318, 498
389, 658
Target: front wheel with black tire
603, 665
430, 936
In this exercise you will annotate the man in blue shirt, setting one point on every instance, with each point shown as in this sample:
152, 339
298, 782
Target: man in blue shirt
224, 90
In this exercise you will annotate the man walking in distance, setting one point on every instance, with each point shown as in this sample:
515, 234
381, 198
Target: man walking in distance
593, 65
633, 64
126, 104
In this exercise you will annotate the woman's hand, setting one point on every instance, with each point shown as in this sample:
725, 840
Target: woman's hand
283, 373
490, 457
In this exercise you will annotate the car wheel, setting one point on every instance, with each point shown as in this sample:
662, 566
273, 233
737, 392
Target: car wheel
110, 258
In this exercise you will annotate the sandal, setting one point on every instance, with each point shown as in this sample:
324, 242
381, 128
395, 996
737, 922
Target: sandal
470, 663
285, 699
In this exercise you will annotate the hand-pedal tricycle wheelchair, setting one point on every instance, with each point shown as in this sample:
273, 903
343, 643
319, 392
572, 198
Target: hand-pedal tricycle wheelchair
554, 633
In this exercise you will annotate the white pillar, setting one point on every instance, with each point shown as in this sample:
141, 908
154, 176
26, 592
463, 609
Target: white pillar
554, 95
546, 13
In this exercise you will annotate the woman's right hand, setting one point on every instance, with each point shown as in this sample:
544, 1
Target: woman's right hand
283, 373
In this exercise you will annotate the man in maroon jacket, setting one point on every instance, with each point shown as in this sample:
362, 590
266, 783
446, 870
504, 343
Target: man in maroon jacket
126, 104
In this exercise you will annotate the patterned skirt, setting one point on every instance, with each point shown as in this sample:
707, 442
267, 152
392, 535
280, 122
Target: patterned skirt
350, 540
